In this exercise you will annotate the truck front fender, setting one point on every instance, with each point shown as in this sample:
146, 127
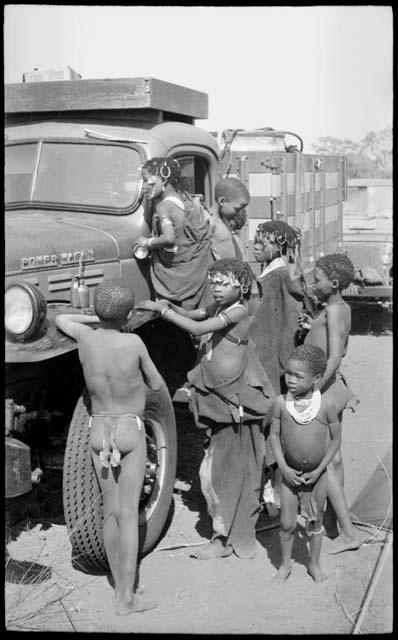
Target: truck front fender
51, 342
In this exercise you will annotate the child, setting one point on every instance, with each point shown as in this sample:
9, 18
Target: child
180, 241
115, 366
231, 197
230, 397
330, 331
275, 321
301, 422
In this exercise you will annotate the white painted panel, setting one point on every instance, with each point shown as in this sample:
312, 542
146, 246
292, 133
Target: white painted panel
332, 213
291, 183
253, 224
332, 180
264, 184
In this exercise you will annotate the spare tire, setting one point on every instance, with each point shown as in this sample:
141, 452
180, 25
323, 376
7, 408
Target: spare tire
82, 498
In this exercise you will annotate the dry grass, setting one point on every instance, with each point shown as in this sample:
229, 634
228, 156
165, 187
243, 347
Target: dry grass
38, 592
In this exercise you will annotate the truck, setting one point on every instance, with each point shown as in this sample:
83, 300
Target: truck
368, 241
74, 207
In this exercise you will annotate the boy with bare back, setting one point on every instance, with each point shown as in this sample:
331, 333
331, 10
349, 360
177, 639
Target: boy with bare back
330, 331
230, 396
305, 435
115, 367
231, 199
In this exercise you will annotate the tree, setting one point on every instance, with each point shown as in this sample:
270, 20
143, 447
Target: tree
370, 158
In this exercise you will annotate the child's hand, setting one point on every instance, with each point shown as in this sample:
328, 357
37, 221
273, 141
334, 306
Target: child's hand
149, 305
163, 302
304, 321
142, 241
310, 477
292, 476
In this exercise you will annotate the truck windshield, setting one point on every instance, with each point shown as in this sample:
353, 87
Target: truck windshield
92, 175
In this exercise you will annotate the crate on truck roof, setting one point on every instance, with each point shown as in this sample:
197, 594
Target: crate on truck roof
162, 100
51, 75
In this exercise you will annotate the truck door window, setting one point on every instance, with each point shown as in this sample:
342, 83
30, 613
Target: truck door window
93, 175
193, 174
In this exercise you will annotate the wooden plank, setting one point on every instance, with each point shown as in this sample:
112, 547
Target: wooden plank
260, 182
341, 189
323, 211
283, 178
257, 158
259, 208
114, 93
331, 213
312, 210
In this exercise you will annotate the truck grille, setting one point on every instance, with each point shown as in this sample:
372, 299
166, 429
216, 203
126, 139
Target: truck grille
63, 281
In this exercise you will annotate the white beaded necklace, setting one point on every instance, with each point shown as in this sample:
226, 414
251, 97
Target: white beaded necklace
304, 410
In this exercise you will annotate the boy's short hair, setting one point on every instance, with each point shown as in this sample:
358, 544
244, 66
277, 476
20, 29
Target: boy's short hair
313, 356
337, 266
113, 300
238, 268
230, 189
280, 232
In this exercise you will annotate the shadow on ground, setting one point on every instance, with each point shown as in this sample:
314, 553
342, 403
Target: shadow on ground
190, 455
42, 505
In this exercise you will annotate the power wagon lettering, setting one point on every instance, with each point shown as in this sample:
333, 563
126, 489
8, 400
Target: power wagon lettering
52, 260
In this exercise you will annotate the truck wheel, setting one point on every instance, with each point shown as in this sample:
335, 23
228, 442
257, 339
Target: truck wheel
83, 505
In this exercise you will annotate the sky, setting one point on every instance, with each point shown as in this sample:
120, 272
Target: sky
318, 70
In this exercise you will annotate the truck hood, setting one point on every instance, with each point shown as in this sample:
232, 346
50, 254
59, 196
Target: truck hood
51, 240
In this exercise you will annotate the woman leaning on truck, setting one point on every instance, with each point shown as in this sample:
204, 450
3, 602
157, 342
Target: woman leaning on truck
180, 242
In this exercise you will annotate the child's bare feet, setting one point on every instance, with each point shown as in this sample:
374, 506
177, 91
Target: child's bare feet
345, 543
215, 549
282, 574
139, 602
316, 572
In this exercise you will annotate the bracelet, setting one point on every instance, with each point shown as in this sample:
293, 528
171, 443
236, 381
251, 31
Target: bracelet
164, 312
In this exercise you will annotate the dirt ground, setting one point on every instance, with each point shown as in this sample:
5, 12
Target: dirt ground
44, 593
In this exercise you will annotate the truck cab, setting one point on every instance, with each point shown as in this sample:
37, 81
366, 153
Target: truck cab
74, 207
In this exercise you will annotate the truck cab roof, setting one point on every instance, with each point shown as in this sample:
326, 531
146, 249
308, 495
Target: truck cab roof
160, 137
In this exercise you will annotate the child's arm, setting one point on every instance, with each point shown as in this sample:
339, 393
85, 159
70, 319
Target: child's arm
73, 324
197, 327
194, 314
167, 236
291, 476
149, 372
334, 444
335, 343
151, 305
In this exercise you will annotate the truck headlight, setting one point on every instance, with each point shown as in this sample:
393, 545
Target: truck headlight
25, 310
